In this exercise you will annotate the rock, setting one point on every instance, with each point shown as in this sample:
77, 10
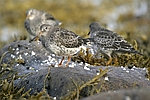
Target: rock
34, 63
59, 81
124, 78
135, 94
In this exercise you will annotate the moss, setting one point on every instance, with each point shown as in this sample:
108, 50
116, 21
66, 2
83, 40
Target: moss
148, 73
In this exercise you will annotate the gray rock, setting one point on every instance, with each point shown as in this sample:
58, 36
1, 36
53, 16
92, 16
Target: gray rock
135, 94
33, 62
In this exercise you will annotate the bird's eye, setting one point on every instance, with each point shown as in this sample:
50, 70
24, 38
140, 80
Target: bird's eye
45, 28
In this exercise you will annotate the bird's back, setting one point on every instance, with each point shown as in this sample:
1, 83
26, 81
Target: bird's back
108, 40
67, 38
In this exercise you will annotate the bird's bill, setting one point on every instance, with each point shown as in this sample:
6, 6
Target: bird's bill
89, 33
28, 17
58, 23
40, 33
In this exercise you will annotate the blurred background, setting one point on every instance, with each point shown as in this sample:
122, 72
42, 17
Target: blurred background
129, 18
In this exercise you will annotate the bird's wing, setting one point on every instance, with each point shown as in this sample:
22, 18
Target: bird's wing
107, 39
68, 38
123, 46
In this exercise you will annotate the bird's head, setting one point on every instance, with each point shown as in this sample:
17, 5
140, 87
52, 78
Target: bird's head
44, 29
31, 14
94, 26
50, 19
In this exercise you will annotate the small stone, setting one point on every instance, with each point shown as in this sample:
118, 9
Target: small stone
124, 69
25, 54
12, 56
144, 68
86, 68
134, 67
121, 66
53, 55
32, 53
17, 52
106, 78
17, 49
37, 70
86, 64
54, 98
127, 71
20, 57
127, 98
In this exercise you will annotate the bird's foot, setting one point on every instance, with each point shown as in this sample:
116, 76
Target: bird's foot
66, 65
60, 65
52, 66
115, 60
109, 61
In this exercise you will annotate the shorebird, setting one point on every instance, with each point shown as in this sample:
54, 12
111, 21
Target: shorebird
36, 18
61, 41
107, 41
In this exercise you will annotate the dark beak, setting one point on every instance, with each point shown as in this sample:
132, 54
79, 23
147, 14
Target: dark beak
89, 33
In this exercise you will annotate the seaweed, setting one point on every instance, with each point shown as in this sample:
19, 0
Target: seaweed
75, 95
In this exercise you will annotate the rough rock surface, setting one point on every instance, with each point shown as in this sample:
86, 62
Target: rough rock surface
34, 62
135, 94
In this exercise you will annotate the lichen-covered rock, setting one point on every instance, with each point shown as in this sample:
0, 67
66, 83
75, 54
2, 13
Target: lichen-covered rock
37, 69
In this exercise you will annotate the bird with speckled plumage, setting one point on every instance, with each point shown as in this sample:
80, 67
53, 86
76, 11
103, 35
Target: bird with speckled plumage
61, 41
107, 41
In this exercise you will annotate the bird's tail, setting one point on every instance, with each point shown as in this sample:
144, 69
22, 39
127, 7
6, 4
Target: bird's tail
132, 50
137, 52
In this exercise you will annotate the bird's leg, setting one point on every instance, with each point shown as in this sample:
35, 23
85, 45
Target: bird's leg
109, 61
97, 55
115, 60
69, 59
60, 64
109, 54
